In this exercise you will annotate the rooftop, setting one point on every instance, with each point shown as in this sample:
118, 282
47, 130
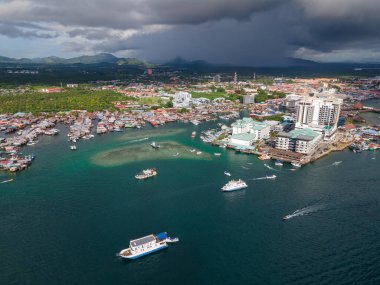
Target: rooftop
244, 137
143, 240
302, 134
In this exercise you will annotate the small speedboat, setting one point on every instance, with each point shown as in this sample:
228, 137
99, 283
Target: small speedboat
154, 145
217, 154
227, 173
296, 164
278, 163
172, 239
287, 217
271, 176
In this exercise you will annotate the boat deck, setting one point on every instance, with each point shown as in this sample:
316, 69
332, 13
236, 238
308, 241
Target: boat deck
125, 253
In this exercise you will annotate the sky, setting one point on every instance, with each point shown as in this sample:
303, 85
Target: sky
241, 32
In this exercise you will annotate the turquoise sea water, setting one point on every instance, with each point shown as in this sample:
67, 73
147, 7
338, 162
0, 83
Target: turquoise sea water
63, 220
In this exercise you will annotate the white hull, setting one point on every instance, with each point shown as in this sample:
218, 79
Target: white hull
138, 254
227, 189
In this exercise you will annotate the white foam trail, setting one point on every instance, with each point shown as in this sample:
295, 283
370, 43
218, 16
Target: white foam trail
304, 211
336, 163
245, 167
6, 181
263, 178
260, 178
138, 140
269, 167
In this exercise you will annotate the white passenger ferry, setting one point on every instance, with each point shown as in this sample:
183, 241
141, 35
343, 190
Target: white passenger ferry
234, 185
146, 245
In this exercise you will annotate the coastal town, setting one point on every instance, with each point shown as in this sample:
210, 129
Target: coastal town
286, 119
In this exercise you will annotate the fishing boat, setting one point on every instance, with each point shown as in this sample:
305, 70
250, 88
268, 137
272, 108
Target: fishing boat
234, 185
227, 173
154, 145
278, 163
193, 134
199, 152
195, 122
146, 245
264, 156
145, 174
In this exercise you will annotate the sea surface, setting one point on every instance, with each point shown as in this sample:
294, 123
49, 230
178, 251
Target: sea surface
63, 220
371, 118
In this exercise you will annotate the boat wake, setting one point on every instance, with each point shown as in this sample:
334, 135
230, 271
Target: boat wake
303, 212
245, 167
6, 181
269, 167
138, 140
265, 177
336, 163
260, 178
177, 154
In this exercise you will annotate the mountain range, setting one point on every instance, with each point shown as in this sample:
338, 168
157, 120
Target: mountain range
85, 59
177, 62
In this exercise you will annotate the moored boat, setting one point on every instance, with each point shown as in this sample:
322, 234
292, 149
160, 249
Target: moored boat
193, 134
154, 145
278, 163
264, 156
145, 174
296, 164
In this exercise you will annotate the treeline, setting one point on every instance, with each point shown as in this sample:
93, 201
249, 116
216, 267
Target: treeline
262, 96
64, 101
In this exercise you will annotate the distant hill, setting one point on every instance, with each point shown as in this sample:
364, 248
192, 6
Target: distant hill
180, 62
85, 59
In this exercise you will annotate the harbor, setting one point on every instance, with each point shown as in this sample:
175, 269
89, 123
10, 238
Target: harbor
100, 208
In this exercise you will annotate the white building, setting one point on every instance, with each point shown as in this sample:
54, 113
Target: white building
246, 139
302, 141
320, 114
249, 99
261, 130
182, 100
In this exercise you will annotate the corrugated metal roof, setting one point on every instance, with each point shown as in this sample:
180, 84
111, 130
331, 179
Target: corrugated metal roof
143, 240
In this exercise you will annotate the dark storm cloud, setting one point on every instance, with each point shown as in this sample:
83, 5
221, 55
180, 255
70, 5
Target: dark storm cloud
124, 14
25, 30
240, 31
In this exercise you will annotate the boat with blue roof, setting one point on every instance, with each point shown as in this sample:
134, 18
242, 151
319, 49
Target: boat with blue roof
146, 245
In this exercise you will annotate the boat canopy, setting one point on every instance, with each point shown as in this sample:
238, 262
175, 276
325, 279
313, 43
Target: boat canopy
162, 236
143, 240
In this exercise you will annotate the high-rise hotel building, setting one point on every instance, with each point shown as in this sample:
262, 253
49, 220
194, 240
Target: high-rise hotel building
318, 113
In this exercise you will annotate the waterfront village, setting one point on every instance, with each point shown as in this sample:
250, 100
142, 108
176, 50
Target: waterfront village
287, 119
